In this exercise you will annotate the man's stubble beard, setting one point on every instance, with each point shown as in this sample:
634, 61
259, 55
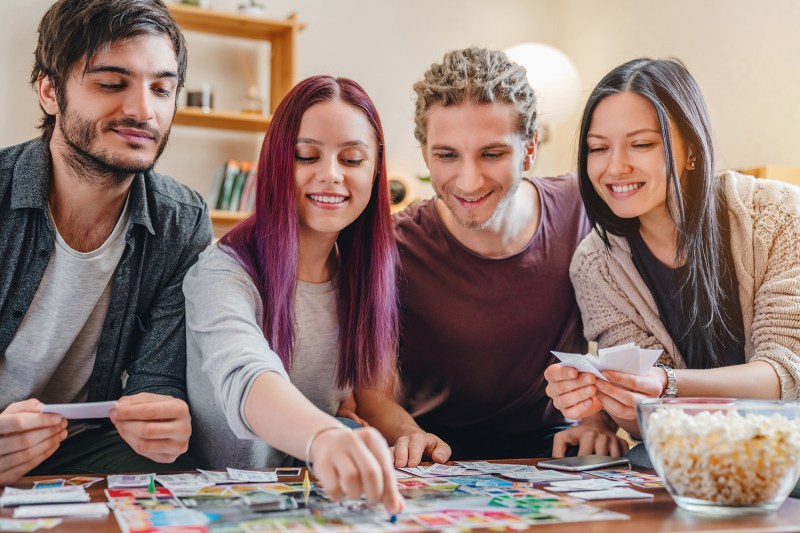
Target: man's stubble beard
101, 167
498, 210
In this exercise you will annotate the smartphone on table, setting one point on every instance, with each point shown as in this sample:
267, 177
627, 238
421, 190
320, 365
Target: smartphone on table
583, 462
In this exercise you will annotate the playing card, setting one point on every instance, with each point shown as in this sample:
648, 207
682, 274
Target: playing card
88, 510
75, 411
616, 493
129, 480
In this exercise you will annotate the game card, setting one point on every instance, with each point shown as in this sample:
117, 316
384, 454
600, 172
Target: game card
48, 484
637, 479
129, 481
86, 510
252, 476
617, 493
83, 481
77, 411
584, 484
16, 524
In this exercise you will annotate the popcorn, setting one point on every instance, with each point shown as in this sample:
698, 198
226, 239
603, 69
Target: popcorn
724, 457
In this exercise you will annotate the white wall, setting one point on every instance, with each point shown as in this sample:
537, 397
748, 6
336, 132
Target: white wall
744, 53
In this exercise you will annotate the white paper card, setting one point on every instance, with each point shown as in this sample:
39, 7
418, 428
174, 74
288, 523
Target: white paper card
619, 493
252, 476
541, 476
69, 509
14, 524
12, 496
76, 411
584, 484
627, 358
127, 481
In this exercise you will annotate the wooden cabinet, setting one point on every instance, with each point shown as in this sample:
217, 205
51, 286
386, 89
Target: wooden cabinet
282, 37
775, 172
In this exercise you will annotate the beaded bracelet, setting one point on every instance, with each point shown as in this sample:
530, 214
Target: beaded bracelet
310, 443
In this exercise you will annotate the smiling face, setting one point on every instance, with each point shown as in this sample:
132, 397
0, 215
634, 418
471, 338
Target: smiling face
476, 157
625, 161
118, 113
335, 160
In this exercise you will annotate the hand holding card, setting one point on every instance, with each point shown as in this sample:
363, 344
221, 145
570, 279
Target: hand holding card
627, 358
27, 437
78, 411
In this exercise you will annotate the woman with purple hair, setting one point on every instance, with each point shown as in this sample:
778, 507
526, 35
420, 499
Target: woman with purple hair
296, 306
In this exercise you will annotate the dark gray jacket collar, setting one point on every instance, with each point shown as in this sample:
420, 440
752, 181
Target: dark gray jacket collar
31, 186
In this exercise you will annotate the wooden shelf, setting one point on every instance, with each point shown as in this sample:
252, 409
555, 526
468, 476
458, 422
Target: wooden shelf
228, 216
222, 221
255, 122
229, 24
281, 35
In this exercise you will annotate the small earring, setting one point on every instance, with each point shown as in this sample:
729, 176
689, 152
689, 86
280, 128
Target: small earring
690, 164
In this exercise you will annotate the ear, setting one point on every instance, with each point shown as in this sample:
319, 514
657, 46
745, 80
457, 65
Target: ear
47, 95
530, 151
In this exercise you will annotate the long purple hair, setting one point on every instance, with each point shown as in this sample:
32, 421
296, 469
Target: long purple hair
266, 244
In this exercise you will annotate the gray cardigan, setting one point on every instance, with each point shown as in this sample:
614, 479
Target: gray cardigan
226, 351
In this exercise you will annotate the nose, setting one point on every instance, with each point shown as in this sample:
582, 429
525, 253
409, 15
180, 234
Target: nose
138, 102
330, 171
618, 164
470, 176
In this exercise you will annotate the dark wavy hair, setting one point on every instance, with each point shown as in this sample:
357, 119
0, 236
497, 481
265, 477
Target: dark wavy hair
695, 209
267, 244
74, 30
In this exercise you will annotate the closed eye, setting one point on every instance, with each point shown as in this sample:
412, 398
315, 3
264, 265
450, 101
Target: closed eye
111, 86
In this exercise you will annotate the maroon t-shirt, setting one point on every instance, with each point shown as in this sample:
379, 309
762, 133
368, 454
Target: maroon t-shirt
477, 332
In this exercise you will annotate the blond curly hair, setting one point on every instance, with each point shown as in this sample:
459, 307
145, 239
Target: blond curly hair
475, 75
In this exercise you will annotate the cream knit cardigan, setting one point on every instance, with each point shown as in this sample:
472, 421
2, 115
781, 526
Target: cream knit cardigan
617, 307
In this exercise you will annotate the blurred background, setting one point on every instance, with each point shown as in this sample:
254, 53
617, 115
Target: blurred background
744, 53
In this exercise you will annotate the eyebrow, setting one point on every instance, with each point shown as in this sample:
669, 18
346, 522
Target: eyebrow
100, 69
631, 134
486, 147
307, 140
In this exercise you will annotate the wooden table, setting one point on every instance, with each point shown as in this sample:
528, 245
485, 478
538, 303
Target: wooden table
647, 516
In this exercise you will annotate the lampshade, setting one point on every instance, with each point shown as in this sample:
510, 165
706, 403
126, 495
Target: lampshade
553, 77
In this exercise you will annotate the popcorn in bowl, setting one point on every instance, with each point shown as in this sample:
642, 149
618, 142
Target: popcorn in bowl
724, 456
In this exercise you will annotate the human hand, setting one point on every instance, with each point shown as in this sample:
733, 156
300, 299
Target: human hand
590, 438
27, 438
347, 409
352, 463
409, 449
573, 392
156, 426
620, 393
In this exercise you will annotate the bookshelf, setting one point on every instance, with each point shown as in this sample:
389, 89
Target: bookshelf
282, 37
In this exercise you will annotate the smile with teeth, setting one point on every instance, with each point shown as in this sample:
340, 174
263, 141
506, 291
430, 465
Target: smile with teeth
626, 188
471, 200
328, 199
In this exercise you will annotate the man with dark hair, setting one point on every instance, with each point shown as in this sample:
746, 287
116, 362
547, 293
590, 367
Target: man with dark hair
484, 288
93, 248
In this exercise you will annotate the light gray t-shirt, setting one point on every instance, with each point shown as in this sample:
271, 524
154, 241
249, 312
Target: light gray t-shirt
226, 351
52, 355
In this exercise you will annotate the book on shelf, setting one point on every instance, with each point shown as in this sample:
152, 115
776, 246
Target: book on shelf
233, 188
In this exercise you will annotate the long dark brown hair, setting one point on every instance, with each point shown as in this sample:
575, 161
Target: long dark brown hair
695, 208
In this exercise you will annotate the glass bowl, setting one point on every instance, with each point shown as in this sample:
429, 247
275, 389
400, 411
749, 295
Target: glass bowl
722, 456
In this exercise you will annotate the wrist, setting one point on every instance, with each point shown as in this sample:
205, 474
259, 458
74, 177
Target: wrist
318, 435
669, 388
